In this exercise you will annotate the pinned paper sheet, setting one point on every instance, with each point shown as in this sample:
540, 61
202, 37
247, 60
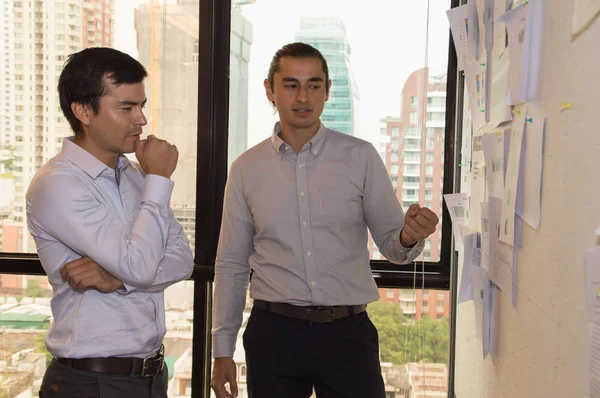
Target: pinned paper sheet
513, 166
471, 258
515, 21
532, 59
458, 18
473, 29
458, 207
500, 110
532, 169
501, 254
493, 151
592, 267
592, 260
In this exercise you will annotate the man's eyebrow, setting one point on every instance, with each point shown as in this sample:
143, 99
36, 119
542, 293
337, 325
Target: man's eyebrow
127, 102
294, 80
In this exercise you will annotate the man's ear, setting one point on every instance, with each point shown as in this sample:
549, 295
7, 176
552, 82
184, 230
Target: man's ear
268, 90
82, 112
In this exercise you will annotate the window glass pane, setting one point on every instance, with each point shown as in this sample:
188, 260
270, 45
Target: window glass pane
406, 120
26, 316
413, 342
163, 36
31, 123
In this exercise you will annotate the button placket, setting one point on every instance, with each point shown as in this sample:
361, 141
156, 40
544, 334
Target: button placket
304, 216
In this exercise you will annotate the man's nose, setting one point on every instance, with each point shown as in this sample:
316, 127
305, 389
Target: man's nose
302, 95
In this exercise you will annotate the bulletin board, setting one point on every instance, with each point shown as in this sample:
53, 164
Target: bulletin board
539, 326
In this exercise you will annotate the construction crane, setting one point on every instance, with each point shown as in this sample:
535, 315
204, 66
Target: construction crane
155, 8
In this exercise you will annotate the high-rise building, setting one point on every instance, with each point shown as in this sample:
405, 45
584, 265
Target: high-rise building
7, 61
414, 158
173, 111
328, 35
37, 37
97, 23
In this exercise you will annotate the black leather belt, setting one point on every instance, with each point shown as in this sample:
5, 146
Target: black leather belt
145, 367
311, 314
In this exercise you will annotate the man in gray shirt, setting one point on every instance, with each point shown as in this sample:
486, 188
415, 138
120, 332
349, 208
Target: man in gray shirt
298, 207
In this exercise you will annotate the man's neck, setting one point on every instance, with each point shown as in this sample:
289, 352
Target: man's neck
297, 138
109, 159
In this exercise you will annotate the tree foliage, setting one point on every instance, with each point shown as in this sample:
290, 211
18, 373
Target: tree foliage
401, 340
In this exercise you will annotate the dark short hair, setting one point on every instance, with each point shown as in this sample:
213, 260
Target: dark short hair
83, 79
297, 50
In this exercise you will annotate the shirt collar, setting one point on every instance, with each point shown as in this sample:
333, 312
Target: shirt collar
86, 161
316, 142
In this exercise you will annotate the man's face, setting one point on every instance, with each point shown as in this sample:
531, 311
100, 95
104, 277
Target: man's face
118, 124
299, 92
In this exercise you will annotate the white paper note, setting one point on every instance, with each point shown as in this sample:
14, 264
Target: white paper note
515, 21
532, 168
458, 207
532, 52
500, 110
485, 236
592, 266
458, 18
493, 151
471, 258
501, 254
511, 180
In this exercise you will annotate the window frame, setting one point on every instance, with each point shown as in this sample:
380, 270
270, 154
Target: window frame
212, 146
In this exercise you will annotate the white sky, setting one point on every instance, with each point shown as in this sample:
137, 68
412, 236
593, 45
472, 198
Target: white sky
387, 39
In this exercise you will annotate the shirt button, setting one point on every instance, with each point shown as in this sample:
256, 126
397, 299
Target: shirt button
299, 166
304, 223
287, 148
301, 193
308, 253
313, 284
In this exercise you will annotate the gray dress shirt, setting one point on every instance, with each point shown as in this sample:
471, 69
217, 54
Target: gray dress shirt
120, 218
299, 222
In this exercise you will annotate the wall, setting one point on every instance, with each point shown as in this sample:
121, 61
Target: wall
542, 344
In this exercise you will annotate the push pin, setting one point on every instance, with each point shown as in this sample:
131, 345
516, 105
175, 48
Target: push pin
482, 64
530, 120
517, 111
565, 105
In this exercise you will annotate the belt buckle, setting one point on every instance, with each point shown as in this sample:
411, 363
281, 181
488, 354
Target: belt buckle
158, 356
330, 313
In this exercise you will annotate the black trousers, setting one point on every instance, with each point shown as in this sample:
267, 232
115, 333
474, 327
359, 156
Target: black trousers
61, 381
287, 357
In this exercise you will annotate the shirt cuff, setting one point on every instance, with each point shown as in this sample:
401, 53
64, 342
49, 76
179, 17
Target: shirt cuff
413, 252
157, 189
223, 346
128, 289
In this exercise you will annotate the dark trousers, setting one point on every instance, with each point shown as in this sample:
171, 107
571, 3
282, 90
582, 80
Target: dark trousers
287, 357
61, 381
